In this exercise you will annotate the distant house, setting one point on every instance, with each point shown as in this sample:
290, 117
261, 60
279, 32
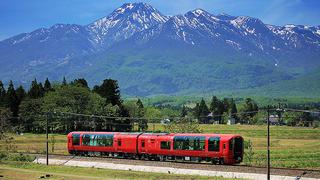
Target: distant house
274, 120
231, 121
165, 121
210, 119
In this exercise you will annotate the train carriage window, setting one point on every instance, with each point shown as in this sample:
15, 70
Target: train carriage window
108, 141
119, 142
93, 140
76, 139
85, 139
178, 142
165, 145
199, 143
189, 143
214, 144
99, 140
143, 143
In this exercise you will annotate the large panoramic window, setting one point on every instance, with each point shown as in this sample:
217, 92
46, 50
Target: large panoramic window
214, 144
97, 140
189, 143
85, 139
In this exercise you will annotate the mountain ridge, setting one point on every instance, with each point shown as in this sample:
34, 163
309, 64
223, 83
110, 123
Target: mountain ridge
136, 43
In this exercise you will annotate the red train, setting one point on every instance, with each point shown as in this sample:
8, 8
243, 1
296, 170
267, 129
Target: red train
215, 148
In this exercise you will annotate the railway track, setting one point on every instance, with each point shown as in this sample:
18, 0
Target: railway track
190, 165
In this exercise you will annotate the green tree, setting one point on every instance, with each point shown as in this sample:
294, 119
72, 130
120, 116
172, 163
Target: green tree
184, 111
250, 109
109, 89
140, 108
21, 93
183, 125
203, 111
36, 90
2, 95
233, 110
143, 124
5, 115
12, 102
306, 119
64, 81
65, 98
152, 113
80, 82
30, 111
196, 111
217, 108
47, 86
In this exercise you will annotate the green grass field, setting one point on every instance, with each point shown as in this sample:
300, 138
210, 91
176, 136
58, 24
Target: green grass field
21, 171
294, 147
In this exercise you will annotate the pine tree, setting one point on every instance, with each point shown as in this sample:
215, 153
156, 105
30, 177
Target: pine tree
140, 108
21, 93
233, 109
143, 124
64, 81
214, 105
36, 90
47, 86
204, 111
226, 104
217, 108
2, 95
41, 90
80, 82
250, 110
109, 90
12, 100
196, 111
184, 111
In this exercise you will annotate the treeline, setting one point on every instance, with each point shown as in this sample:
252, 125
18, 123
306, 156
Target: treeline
219, 111
27, 110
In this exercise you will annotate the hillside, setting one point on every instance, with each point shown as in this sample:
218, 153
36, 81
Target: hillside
151, 54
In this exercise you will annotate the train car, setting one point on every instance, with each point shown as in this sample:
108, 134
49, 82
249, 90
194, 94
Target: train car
86, 143
216, 148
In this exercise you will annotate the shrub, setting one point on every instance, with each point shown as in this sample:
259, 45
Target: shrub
20, 157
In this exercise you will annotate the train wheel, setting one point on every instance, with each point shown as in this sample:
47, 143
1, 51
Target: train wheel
161, 158
221, 161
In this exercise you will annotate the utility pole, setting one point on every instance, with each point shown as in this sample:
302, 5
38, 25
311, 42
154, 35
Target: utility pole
268, 140
47, 149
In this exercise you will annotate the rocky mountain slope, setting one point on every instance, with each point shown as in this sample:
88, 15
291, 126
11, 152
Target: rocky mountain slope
150, 53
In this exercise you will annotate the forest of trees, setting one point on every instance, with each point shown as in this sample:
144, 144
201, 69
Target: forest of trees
74, 105
65, 105
221, 110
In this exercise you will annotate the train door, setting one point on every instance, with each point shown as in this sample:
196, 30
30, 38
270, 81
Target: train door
143, 146
119, 144
238, 149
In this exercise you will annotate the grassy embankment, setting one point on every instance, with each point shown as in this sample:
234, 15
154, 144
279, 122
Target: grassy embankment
294, 147
22, 170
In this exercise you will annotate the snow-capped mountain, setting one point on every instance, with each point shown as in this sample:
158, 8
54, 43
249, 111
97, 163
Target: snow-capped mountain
125, 21
263, 53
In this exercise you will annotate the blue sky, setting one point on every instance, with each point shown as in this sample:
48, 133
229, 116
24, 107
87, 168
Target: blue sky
18, 16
